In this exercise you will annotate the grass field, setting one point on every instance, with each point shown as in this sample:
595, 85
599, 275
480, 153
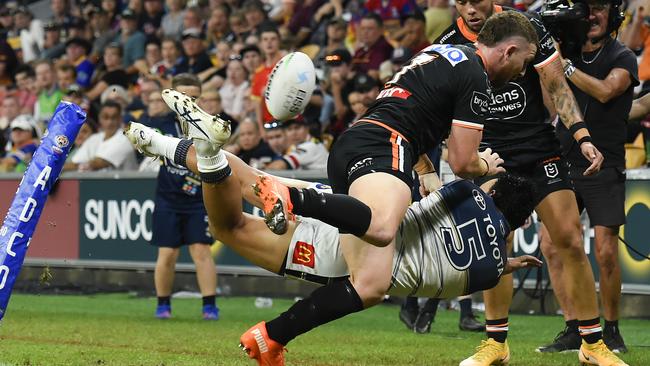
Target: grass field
120, 329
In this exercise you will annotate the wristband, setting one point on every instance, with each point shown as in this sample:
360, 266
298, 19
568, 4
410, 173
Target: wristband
576, 126
584, 139
569, 69
487, 166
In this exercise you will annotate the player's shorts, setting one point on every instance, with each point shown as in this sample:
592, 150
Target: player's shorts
601, 194
548, 176
369, 147
173, 229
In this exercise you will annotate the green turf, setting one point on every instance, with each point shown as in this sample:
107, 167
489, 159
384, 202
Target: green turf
120, 330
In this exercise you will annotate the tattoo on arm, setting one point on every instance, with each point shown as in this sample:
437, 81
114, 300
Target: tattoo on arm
564, 101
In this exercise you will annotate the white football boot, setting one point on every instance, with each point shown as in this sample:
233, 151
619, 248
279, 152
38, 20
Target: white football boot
141, 138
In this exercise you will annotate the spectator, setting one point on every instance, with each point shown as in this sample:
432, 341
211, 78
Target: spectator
22, 145
276, 137
74, 94
151, 17
31, 33
251, 58
368, 87
250, 146
111, 7
131, 39
270, 44
180, 219
193, 19
60, 13
413, 31
107, 149
239, 25
163, 70
102, 33
8, 64
196, 59
118, 94
53, 48
341, 85
390, 12
210, 101
218, 27
235, 89
87, 129
26, 85
113, 73
77, 29
438, 16
256, 16
49, 94
336, 32
66, 74
300, 24
76, 51
152, 56
388, 68
306, 152
355, 100
10, 110
172, 21
141, 101
373, 48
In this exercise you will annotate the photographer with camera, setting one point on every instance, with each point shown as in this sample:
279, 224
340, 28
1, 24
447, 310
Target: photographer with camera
602, 74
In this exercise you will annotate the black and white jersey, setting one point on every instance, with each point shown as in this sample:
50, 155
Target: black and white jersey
441, 85
518, 126
453, 242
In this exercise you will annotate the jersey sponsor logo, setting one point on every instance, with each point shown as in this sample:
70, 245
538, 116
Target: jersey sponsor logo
551, 170
479, 103
478, 198
509, 102
304, 254
452, 54
394, 92
546, 44
360, 164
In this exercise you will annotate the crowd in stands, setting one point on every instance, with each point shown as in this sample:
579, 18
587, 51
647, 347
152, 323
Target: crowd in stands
112, 57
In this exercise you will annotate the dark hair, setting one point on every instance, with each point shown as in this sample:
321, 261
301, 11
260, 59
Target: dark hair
25, 68
185, 79
110, 104
269, 28
115, 46
66, 67
515, 197
375, 17
504, 25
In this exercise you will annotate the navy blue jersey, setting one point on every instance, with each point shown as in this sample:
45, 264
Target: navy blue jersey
477, 243
178, 188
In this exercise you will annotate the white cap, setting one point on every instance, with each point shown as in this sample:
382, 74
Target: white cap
24, 122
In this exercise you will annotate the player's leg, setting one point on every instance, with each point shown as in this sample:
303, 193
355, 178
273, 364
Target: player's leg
569, 338
164, 280
467, 320
206, 277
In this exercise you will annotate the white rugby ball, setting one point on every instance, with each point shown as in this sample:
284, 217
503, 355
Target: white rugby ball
290, 86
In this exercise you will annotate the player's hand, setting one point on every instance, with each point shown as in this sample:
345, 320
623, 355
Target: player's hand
428, 183
594, 156
493, 160
524, 261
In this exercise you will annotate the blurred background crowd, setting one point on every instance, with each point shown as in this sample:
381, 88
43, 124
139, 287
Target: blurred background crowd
113, 57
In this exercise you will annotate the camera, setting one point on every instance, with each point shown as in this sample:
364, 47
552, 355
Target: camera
568, 23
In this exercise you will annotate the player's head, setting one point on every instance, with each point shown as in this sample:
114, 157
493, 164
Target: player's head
187, 83
475, 12
514, 196
508, 42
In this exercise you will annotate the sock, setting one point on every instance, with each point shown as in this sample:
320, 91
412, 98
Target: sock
611, 326
179, 156
411, 304
164, 300
325, 304
431, 306
497, 329
210, 300
572, 325
465, 308
590, 330
342, 211
212, 164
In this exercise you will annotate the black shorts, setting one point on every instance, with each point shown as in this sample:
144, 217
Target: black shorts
601, 194
368, 147
548, 176
173, 229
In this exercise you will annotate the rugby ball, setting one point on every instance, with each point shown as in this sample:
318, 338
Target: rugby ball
290, 86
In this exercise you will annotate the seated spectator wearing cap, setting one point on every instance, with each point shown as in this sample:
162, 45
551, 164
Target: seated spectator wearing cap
100, 27
270, 46
76, 52
276, 137
52, 48
31, 33
341, 77
368, 87
373, 48
22, 145
49, 94
196, 59
151, 17
112, 72
108, 149
131, 39
336, 31
250, 147
305, 152
172, 22
235, 89
438, 18
388, 68
76, 28
26, 85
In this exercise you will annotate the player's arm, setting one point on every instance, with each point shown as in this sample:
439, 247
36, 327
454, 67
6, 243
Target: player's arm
464, 158
524, 261
640, 107
616, 83
429, 179
552, 77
